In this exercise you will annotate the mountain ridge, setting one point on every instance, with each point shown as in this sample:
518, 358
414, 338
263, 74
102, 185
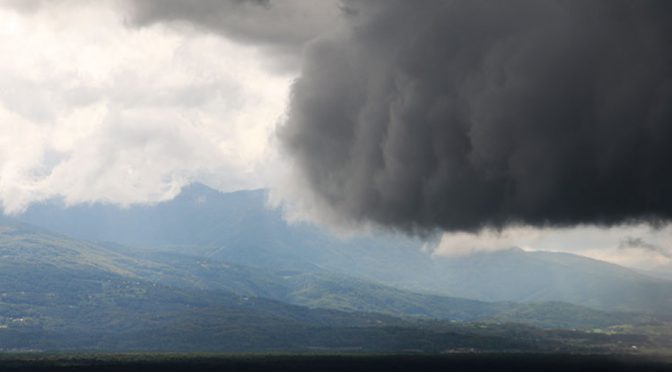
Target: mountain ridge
239, 228
24, 253
61, 294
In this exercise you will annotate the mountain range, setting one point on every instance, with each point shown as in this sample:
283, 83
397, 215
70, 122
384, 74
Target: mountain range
221, 271
239, 228
57, 293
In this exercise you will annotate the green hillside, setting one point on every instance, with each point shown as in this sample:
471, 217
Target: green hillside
336, 291
58, 293
61, 294
43, 268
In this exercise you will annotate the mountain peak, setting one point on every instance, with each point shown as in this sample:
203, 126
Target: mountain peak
202, 192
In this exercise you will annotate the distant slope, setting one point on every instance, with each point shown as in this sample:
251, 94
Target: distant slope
516, 275
237, 227
60, 294
334, 291
56, 293
55, 268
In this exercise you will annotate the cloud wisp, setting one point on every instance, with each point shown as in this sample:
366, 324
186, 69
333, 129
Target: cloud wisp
639, 243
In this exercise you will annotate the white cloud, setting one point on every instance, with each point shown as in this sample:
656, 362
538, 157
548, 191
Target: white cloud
607, 244
92, 110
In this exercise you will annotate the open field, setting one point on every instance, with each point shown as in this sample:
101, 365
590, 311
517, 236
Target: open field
346, 362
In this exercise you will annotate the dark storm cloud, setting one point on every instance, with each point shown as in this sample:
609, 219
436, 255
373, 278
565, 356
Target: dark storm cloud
460, 115
282, 24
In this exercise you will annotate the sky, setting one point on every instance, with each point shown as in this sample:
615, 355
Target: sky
538, 124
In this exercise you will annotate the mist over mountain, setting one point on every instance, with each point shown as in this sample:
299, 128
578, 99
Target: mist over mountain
58, 293
61, 294
239, 228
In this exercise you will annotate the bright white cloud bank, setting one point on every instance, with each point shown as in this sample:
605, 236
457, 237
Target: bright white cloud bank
92, 110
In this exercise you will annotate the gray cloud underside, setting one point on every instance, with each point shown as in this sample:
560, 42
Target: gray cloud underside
460, 115
284, 25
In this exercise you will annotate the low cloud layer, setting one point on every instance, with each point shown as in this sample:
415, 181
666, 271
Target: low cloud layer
463, 115
637, 246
